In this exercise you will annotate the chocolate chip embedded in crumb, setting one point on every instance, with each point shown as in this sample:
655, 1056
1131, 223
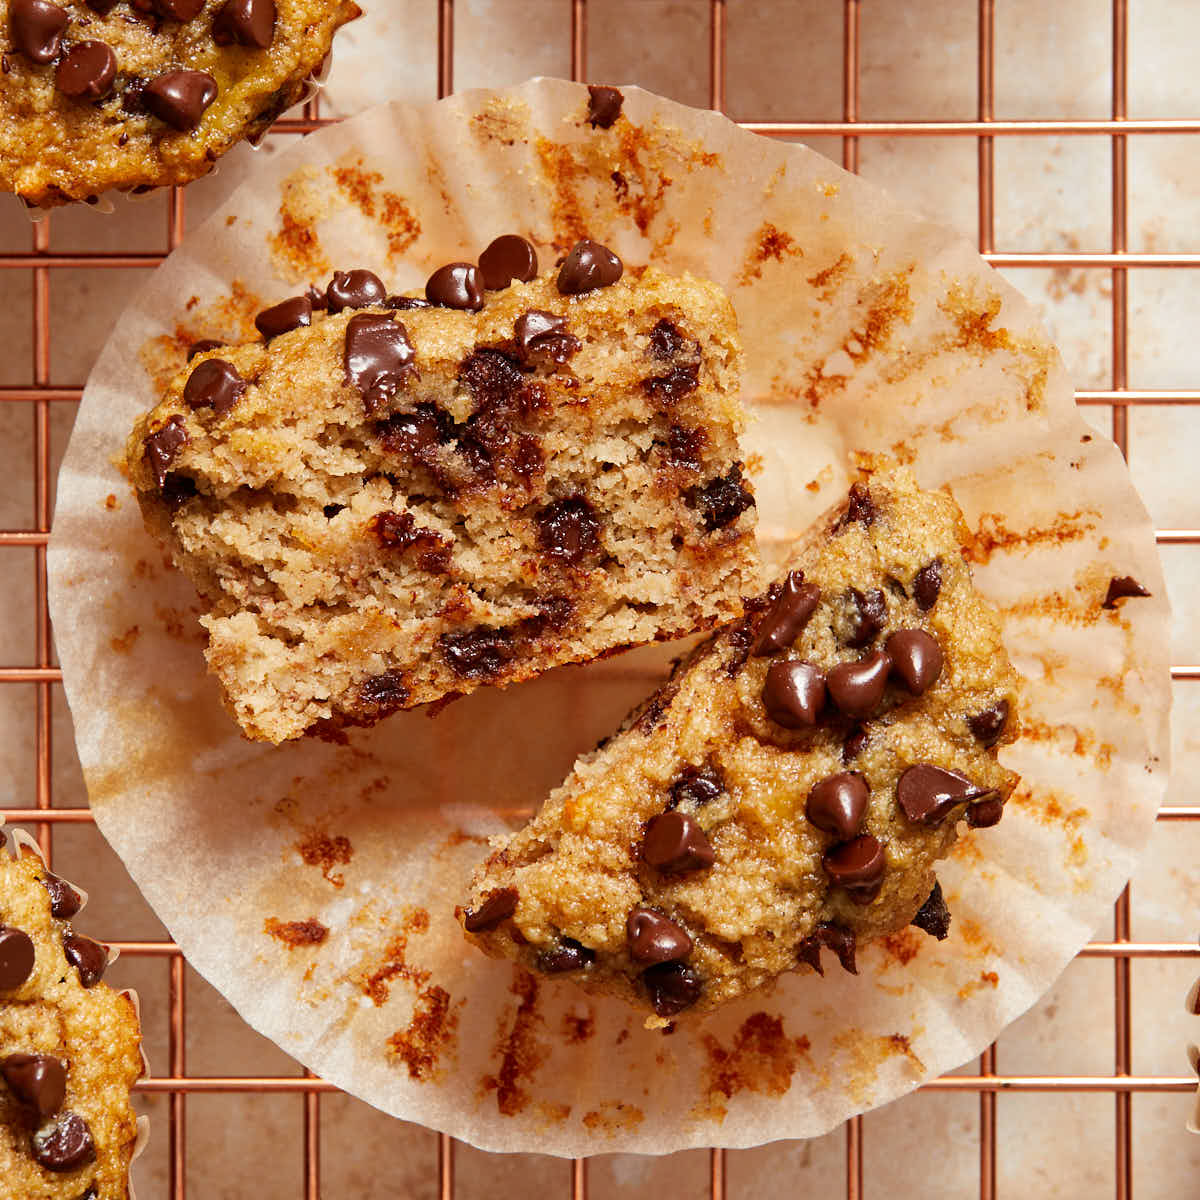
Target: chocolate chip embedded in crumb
64, 1144
89, 958
497, 906
568, 530
685, 447
247, 22
666, 390
855, 743
856, 688
986, 813
539, 332
86, 71
788, 615
696, 786
16, 957
933, 917
359, 288
838, 804
179, 98
929, 794
65, 901
411, 432
588, 266
988, 726
1121, 587
162, 448
916, 659
654, 938
400, 531
293, 313
666, 341
567, 955
794, 694
867, 613
857, 866
604, 106
377, 357
456, 285
383, 694
859, 507
927, 585
37, 1080
722, 500
203, 346
37, 27
507, 259
479, 653
214, 384
675, 843
841, 941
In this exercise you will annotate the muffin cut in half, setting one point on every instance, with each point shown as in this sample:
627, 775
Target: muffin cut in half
789, 789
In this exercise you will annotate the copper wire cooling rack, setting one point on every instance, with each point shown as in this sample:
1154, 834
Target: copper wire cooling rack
42, 261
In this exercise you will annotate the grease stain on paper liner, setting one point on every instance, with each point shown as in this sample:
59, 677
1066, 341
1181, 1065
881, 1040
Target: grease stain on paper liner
430, 1033
759, 1058
294, 934
519, 1047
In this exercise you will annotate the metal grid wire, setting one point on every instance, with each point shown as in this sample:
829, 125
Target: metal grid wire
42, 261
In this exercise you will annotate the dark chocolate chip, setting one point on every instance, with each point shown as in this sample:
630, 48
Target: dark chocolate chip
855, 743
696, 787
16, 957
103, 7
672, 988
1121, 587
722, 500
508, 258
37, 27
666, 341
406, 303
178, 10
588, 266
567, 955
841, 941
86, 71
214, 384
857, 866
177, 489
37, 1080
283, 317
411, 432
247, 22
203, 346
568, 530
675, 843
179, 98
494, 380
354, 289
788, 615
838, 804
933, 917
855, 688
540, 332
64, 1144
929, 794
377, 356
400, 531
479, 653
859, 507
163, 446
678, 382
383, 694
686, 447
497, 906
456, 285
988, 725
986, 813
65, 901
916, 658
654, 938
89, 958
868, 615
604, 106
794, 693
927, 585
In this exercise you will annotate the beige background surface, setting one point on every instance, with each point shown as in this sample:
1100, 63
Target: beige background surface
918, 61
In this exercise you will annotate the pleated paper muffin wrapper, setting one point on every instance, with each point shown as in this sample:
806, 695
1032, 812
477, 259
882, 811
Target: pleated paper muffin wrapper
315, 884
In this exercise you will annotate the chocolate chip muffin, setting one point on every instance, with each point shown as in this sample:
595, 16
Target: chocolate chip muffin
69, 1046
135, 94
790, 789
392, 500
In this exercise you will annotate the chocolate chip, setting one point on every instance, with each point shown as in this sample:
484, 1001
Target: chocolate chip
678, 382
494, 380
65, 901
377, 356
37, 1080
927, 585
841, 941
177, 489
916, 659
588, 266
675, 843
666, 341
933, 917
405, 303
794, 693
178, 10
16, 957
540, 332
508, 258
696, 787
86, 71
1121, 587
928, 794
64, 1144
855, 743
867, 613
858, 867
686, 447
37, 27
247, 22
855, 688
383, 694
722, 500
163, 446
654, 938
179, 98
567, 955
672, 988
400, 531
103, 7
568, 530
354, 289
89, 958
604, 106
214, 384
986, 813
838, 804
410, 432
497, 906
988, 725
788, 615
203, 346
456, 285
859, 507
283, 317
479, 653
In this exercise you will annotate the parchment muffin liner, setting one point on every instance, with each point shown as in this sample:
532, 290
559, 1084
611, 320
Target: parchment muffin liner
314, 884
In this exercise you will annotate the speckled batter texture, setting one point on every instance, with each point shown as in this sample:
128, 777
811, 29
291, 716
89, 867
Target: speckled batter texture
56, 148
704, 747
501, 513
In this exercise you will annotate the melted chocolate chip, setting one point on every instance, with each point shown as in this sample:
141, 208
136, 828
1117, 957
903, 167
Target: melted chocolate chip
855, 743
841, 941
203, 346
916, 659
838, 804
497, 906
540, 332
400, 531
89, 958
214, 384
103, 7
857, 866
64, 1144
16, 957
678, 382
37, 1080
567, 955
588, 266
933, 917
855, 688
654, 938
179, 98
789, 614
604, 106
1121, 587
411, 432
37, 27
178, 10
177, 489
722, 500
86, 71
377, 357
354, 289
508, 258
247, 22
927, 585
868, 615
65, 901
675, 843
672, 987
456, 285
479, 653
666, 341
696, 787
494, 380
929, 794
986, 813
568, 530
162, 448
294, 313
383, 694
685, 447
794, 694
988, 726
859, 507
